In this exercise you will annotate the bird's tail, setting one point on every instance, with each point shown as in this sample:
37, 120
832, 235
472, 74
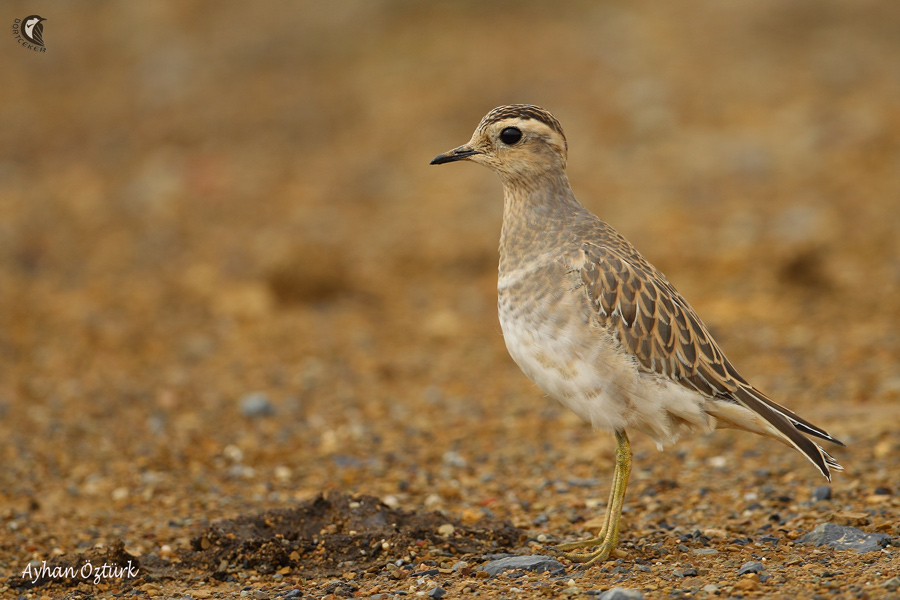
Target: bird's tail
791, 428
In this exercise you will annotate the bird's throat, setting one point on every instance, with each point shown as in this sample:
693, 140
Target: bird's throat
536, 219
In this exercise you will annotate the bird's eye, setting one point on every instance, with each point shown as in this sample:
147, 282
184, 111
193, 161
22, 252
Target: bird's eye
510, 136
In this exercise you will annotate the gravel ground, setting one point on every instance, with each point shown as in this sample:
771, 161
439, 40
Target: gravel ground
248, 338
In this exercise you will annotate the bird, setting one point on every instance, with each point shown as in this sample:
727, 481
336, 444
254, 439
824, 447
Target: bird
597, 327
33, 28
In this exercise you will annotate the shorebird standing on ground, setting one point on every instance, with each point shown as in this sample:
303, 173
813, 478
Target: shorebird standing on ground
599, 328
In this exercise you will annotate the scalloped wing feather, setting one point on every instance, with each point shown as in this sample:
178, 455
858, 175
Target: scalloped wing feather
667, 338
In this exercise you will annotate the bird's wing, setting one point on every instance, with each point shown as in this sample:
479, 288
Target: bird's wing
654, 322
667, 338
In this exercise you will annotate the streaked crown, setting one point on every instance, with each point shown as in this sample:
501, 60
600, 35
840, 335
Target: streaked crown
523, 112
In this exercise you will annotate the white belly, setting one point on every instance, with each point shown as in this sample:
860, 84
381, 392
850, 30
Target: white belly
572, 359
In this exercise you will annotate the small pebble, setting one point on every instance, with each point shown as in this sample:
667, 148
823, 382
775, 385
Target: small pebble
752, 566
257, 404
454, 459
165, 552
437, 593
620, 593
717, 462
823, 492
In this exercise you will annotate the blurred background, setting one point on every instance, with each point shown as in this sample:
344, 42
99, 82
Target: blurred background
229, 278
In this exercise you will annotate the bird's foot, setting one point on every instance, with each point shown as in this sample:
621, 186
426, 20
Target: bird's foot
604, 547
596, 541
602, 552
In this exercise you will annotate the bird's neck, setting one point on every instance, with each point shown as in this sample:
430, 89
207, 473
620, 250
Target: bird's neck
538, 215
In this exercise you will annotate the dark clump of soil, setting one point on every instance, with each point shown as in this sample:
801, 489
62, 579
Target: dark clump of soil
322, 537
332, 534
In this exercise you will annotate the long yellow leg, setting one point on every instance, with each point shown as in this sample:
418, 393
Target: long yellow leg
609, 535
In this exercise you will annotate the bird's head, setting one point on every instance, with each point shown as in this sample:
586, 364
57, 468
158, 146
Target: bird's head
518, 140
31, 21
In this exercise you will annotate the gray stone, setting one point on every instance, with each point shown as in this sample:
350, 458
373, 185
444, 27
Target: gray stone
257, 404
891, 584
535, 563
841, 537
454, 459
620, 593
437, 593
691, 572
823, 492
751, 567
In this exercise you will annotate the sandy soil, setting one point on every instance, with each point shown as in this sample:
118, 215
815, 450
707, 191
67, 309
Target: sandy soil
247, 332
